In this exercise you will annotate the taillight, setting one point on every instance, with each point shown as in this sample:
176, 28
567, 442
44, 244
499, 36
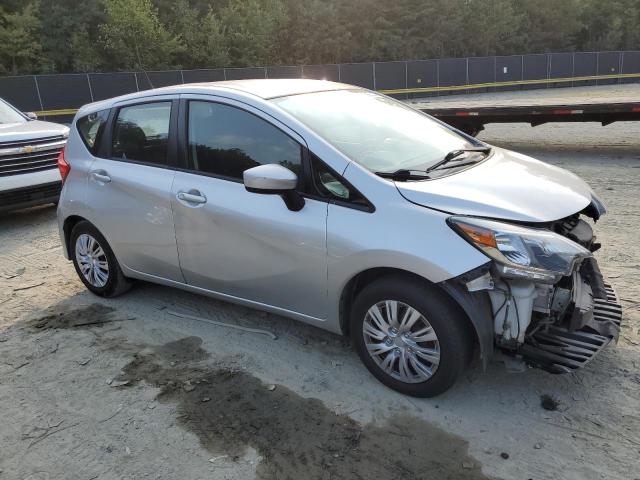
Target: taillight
63, 166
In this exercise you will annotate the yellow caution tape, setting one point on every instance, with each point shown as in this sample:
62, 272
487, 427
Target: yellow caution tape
510, 83
62, 111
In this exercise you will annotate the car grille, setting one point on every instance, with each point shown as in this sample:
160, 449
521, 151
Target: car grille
27, 156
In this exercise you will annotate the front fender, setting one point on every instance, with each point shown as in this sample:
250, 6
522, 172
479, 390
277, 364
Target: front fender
477, 306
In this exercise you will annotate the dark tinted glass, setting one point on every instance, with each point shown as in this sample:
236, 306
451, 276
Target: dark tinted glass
141, 133
226, 141
91, 128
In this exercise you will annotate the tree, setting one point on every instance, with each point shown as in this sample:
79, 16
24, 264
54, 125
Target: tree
134, 38
60, 36
200, 32
70, 34
500, 36
313, 32
610, 25
250, 30
20, 50
549, 25
85, 56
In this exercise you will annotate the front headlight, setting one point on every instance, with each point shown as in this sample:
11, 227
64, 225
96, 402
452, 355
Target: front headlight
521, 252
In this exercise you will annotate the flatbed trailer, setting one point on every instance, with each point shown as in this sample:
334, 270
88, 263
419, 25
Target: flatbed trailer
470, 113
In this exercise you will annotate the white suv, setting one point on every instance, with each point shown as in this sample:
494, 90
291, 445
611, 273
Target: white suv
29, 151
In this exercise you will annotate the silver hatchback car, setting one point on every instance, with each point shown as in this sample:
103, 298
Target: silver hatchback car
344, 209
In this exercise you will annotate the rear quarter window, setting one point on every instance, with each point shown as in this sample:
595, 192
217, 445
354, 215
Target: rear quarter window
91, 127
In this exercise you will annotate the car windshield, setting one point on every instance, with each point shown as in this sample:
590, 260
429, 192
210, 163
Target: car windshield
374, 130
9, 115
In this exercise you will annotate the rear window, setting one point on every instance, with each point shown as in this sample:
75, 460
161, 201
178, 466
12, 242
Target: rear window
91, 128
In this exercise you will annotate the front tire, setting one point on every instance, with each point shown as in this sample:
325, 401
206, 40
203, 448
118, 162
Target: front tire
95, 263
410, 335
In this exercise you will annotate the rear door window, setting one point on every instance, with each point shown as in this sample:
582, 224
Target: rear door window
141, 133
91, 127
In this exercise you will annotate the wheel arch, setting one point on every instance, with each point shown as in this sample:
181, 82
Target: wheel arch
70, 222
475, 306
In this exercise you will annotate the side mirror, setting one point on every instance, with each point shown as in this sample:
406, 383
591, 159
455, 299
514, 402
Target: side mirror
274, 179
31, 115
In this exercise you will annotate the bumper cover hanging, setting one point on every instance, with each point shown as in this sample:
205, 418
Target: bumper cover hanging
559, 350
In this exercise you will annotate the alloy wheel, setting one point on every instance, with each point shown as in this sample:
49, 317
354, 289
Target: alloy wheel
401, 341
92, 260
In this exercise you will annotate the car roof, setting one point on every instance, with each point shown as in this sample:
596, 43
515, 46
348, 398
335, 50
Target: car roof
273, 88
262, 88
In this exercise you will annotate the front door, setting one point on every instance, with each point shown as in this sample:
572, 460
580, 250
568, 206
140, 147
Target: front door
243, 244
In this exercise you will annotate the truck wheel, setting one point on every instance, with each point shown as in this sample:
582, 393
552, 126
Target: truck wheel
95, 263
410, 336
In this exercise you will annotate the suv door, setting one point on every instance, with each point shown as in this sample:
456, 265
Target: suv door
129, 187
243, 244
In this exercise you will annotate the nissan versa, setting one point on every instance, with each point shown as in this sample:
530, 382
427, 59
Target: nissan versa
344, 209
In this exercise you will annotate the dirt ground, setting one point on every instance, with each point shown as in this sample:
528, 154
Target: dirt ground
123, 389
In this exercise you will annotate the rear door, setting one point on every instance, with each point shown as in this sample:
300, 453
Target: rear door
238, 243
129, 190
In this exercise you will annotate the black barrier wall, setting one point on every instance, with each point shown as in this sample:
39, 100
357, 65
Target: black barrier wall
445, 76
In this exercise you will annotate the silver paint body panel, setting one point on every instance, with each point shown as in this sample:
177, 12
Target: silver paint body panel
251, 246
250, 249
508, 185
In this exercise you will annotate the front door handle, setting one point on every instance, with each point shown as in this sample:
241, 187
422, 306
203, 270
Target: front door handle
101, 176
192, 196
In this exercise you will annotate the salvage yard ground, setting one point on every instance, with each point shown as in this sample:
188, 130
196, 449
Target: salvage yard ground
123, 389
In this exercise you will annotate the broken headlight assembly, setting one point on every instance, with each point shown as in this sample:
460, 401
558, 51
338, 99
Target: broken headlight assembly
521, 252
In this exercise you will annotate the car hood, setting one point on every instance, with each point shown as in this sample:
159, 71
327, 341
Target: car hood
508, 186
12, 132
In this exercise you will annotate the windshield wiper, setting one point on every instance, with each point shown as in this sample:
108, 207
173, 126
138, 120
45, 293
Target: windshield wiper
455, 154
404, 175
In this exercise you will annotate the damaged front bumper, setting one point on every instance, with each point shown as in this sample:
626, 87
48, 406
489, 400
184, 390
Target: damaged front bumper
559, 349
549, 305
559, 328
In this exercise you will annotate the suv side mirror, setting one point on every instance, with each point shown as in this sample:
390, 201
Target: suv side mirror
31, 115
274, 179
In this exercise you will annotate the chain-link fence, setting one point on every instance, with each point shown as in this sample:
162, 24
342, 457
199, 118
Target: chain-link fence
57, 96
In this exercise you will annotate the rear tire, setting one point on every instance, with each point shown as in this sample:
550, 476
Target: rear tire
95, 263
426, 350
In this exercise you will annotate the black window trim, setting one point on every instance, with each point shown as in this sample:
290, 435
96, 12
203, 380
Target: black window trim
104, 151
183, 141
313, 193
96, 148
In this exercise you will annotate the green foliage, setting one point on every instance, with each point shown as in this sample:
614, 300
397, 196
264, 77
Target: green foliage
20, 49
92, 35
249, 30
199, 31
84, 55
134, 38
610, 23
64, 24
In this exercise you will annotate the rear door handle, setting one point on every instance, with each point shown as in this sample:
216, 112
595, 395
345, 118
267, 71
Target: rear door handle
191, 197
101, 176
